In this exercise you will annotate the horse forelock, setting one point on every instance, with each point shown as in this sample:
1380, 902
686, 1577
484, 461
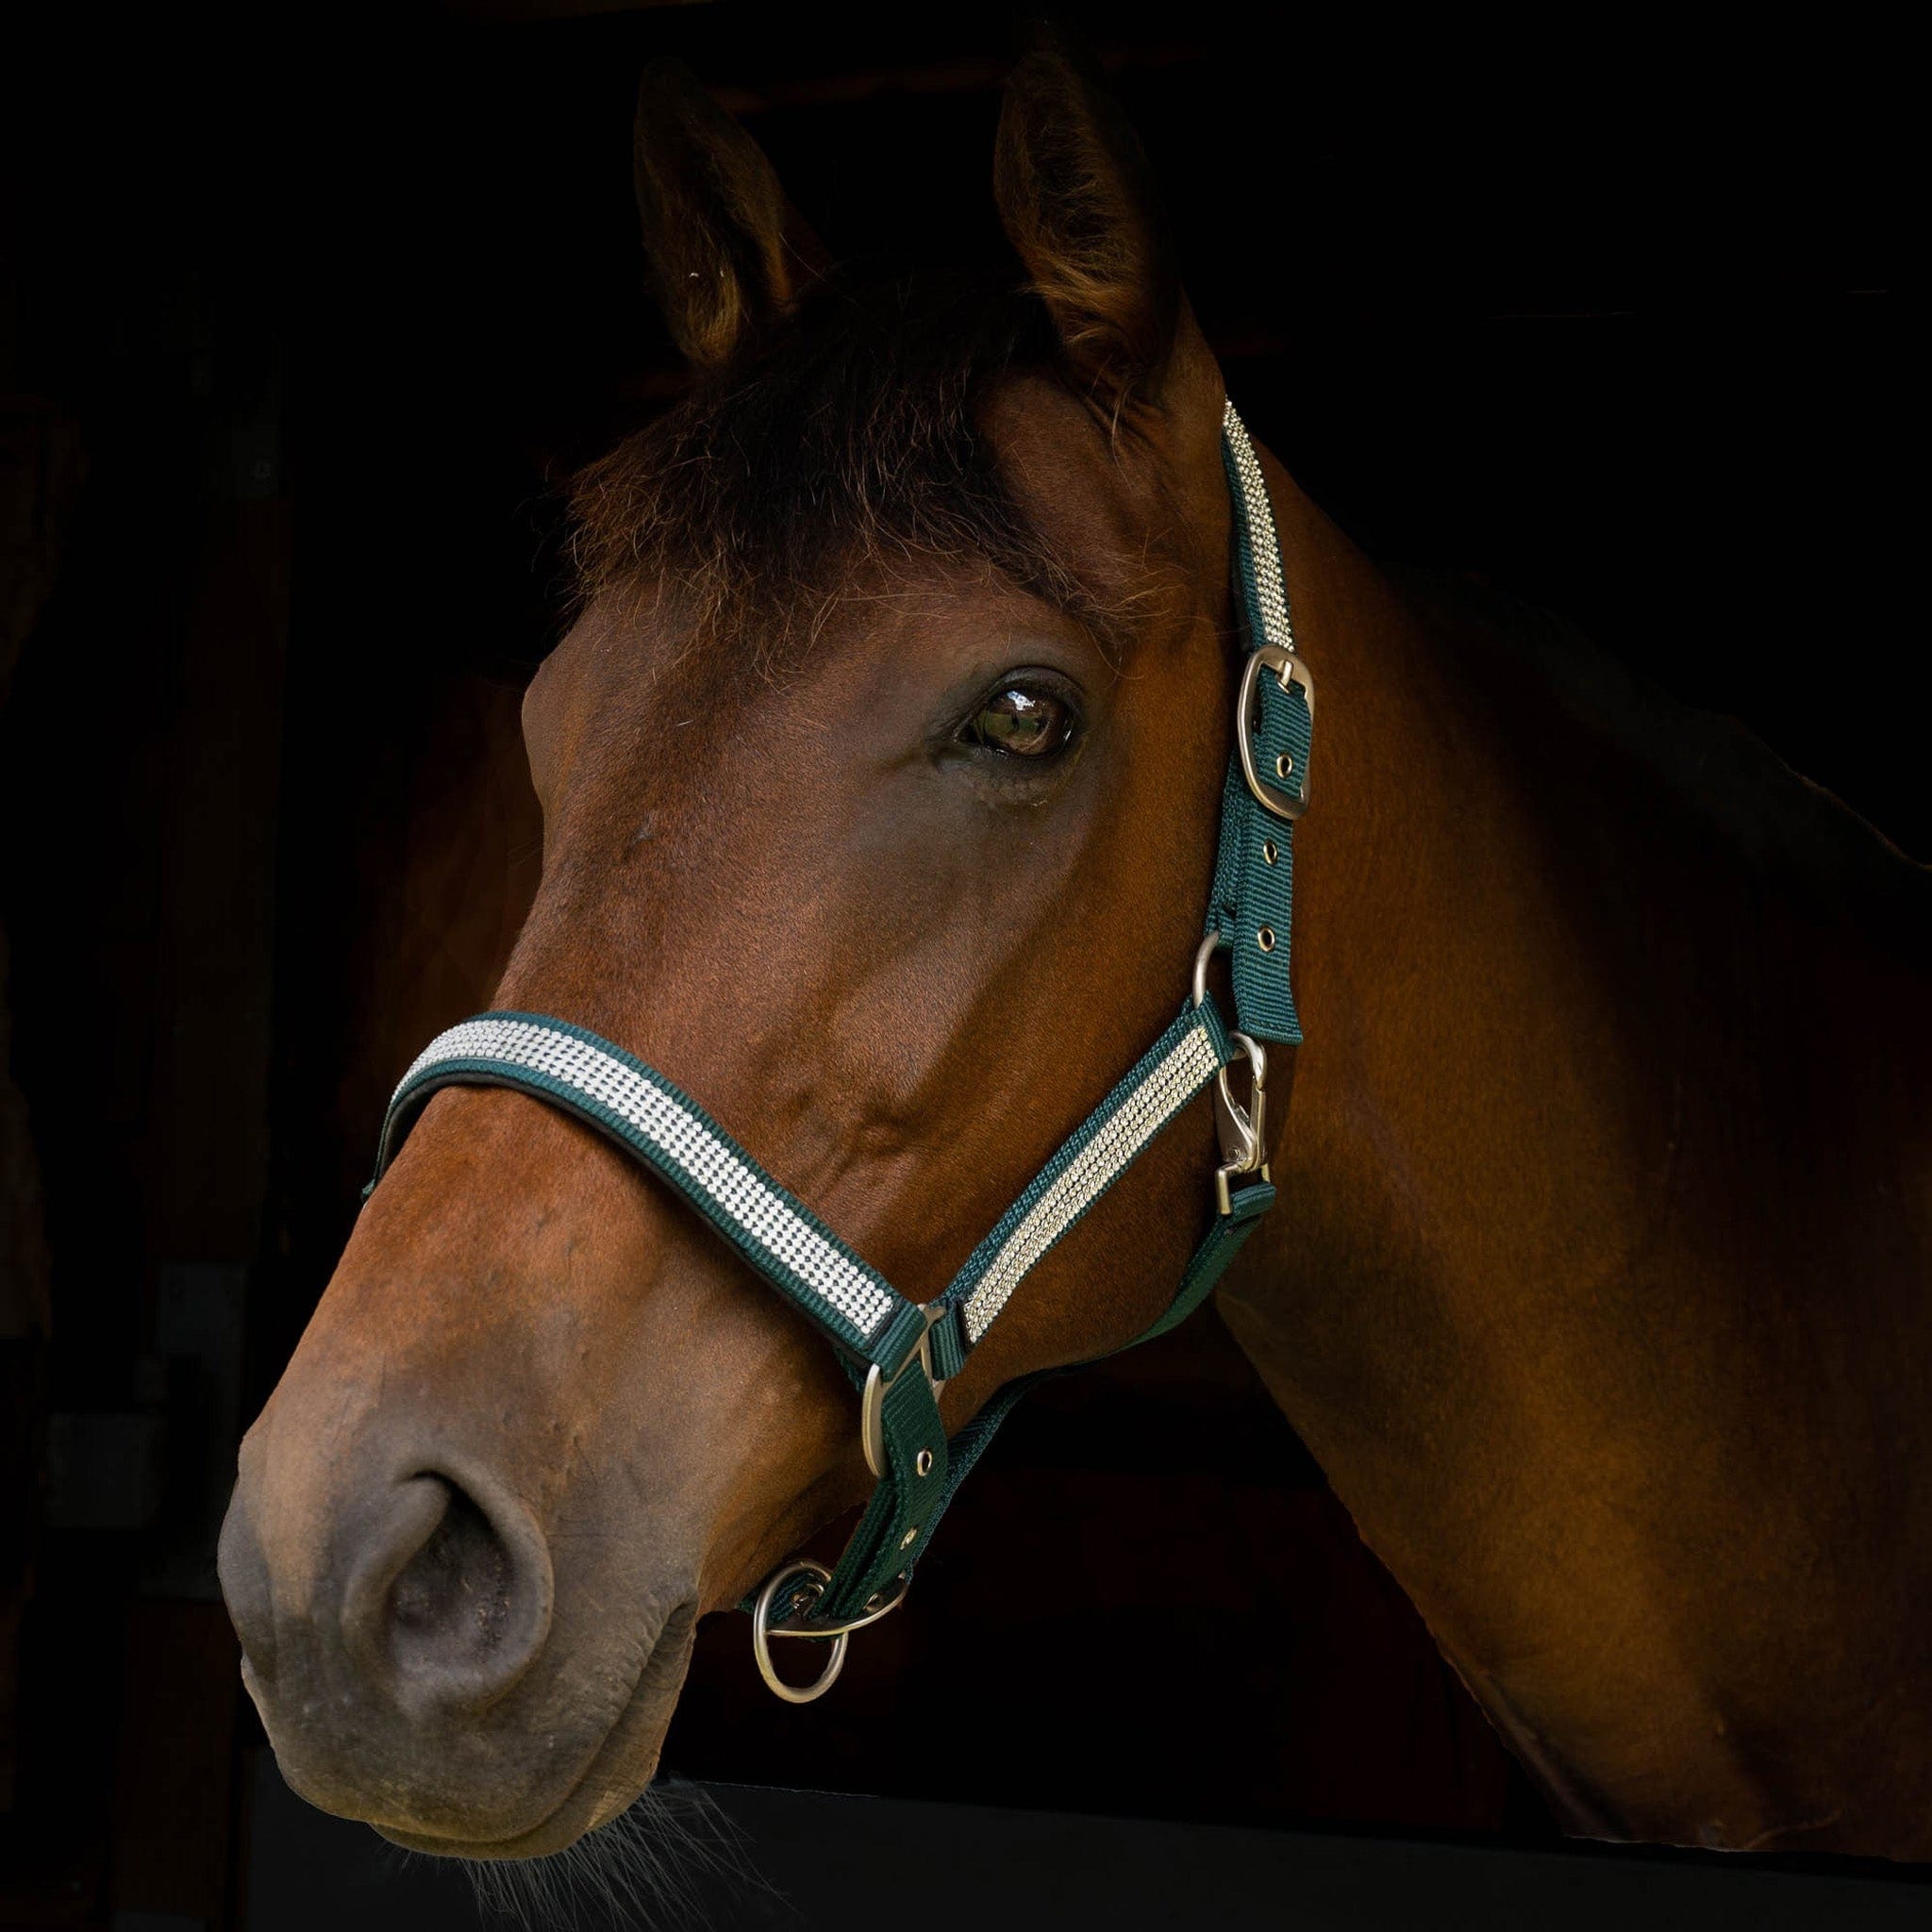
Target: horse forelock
850, 441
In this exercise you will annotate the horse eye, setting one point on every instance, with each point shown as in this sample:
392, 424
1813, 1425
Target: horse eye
1023, 723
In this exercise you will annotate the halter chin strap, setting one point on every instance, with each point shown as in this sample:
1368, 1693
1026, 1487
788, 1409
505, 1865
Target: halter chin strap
900, 1352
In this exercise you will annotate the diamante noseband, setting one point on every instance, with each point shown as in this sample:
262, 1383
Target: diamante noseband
899, 1353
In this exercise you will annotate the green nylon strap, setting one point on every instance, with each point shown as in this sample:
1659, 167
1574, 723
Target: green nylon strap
658, 1125
1251, 905
904, 1506
1209, 1262
1210, 1259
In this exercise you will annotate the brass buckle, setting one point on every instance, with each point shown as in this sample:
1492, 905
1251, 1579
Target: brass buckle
872, 1403
1288, 668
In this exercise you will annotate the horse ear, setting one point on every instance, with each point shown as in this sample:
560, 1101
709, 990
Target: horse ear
1077, 198
728, 252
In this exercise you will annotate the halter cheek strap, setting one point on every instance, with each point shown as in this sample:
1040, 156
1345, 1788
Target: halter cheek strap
901, 1353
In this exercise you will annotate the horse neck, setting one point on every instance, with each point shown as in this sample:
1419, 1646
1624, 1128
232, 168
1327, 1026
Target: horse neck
1441, 1012
1512, 1301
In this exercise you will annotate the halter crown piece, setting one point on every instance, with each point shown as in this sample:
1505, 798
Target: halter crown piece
899, 1353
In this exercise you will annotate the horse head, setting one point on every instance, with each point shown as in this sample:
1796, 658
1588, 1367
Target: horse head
880, 773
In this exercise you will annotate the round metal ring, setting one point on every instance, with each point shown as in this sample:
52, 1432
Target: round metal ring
762, 1632
880, 1603
1265, 939
1207, 950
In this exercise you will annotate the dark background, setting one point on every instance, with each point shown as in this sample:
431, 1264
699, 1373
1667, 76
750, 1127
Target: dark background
303, 323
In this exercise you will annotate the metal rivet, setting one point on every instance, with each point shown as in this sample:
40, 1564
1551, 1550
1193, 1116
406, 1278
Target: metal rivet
1284, 766
1265, 939
923, 1462
875, 1600
911, 1538
1269, 851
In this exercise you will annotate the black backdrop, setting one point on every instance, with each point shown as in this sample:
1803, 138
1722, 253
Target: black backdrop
305, 321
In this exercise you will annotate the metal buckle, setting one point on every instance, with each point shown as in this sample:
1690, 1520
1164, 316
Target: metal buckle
1288, 668
872, 1403
871, 1439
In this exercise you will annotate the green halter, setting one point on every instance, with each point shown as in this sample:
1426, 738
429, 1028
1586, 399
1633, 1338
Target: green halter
901, 1353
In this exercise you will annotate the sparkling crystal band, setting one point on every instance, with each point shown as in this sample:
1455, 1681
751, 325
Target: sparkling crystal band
1118, 1132
678, 1138
709, 1167
1255, 531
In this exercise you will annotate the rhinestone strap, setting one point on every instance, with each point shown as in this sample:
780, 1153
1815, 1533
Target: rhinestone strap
1259, 546
671, 1131
1180, 1063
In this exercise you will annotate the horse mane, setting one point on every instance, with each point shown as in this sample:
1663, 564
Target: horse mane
845, 440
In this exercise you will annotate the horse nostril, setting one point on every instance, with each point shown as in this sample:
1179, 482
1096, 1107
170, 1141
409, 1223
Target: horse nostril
454, 1593
452, 1603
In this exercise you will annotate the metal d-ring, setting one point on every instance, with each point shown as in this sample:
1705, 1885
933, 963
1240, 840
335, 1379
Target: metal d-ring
795, 1624
762, 1628
1207, 950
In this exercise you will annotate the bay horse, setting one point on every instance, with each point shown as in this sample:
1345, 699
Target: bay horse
880, 777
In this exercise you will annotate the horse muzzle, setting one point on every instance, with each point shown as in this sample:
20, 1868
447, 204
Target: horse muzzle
397, 1613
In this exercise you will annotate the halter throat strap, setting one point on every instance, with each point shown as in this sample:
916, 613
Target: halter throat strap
900, 1352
